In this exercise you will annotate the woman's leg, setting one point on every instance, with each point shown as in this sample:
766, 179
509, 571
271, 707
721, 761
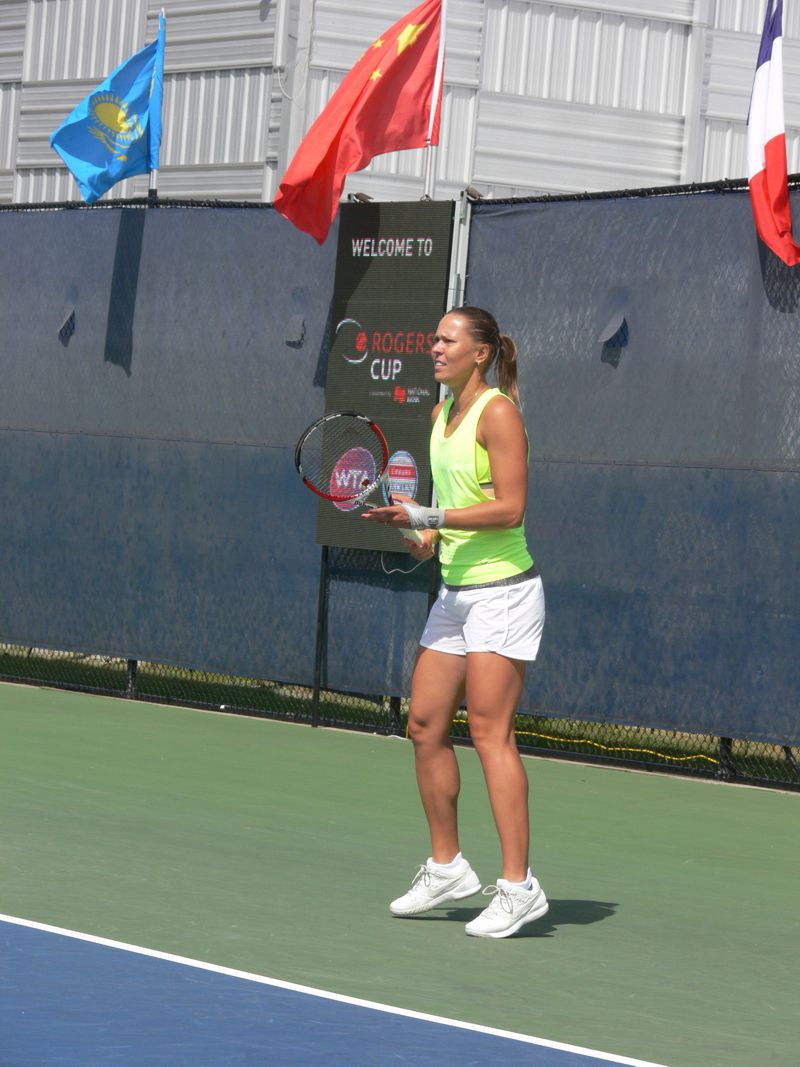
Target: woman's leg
494, 686
437, 689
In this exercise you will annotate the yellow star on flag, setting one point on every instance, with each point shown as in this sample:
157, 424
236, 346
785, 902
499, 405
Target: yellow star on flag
409, 36
375, 75
378, 43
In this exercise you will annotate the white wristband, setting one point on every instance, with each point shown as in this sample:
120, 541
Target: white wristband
420, 518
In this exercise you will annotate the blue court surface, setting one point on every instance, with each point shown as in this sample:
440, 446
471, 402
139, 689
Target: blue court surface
79, 1001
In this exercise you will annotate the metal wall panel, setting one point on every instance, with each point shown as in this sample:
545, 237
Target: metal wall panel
590, 57
221, 182
215, 34
216, 116
725, 150
731, 65
652, 93
12, 39
37, 185
747, 16
80, 39
524, 145
9, 106
42, 109
674, 10
729, 70
45, 185
343, 31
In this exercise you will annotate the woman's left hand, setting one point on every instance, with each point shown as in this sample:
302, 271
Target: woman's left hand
393, 515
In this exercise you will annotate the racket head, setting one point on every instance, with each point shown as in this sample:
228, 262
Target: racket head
342, 457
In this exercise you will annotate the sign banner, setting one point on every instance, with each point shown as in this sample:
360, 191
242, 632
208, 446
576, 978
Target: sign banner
390, 290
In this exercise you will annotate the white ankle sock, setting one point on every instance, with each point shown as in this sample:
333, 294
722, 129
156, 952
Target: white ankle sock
451, 866
526, 884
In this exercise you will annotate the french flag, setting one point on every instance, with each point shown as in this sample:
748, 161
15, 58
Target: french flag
766, 144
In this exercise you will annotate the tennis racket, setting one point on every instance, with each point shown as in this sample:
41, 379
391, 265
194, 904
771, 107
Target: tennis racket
343, 458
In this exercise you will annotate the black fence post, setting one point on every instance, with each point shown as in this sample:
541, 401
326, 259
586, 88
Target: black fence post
726, 766
790, 759
322, 620
133, 667
395, 721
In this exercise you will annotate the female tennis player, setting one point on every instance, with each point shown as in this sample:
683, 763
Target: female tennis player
485, 626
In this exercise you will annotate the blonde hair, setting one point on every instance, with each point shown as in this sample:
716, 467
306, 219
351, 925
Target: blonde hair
502, 348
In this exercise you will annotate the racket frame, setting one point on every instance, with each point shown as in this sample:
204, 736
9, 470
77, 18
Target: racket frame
347, 498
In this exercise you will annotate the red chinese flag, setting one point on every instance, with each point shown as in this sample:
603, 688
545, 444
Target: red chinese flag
389, 101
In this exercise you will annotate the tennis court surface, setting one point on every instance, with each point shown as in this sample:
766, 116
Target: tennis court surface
180, 887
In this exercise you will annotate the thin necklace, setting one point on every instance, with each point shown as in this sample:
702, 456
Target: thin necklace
481, 389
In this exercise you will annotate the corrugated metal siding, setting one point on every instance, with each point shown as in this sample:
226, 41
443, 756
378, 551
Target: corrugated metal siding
42, 109
725, 151
215, 34
12, 39
215, 117
219, 103
222, 182
79, 39
730, 67
39, 185
532, 146
567, 95
343, 31
747, 16
673, 10
9, 105
587, 57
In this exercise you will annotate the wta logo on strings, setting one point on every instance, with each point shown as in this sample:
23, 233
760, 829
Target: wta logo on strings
353, 472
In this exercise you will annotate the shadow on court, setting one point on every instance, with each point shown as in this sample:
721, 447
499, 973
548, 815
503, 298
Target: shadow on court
561, 913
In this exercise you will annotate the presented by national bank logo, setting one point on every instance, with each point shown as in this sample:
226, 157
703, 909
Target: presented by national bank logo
116, 127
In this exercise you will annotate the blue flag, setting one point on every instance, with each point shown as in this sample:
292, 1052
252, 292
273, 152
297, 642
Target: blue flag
115, 132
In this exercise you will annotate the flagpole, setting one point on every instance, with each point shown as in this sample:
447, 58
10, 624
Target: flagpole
152, 192
430, 157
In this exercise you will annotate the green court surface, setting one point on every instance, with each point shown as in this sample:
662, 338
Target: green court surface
275, 848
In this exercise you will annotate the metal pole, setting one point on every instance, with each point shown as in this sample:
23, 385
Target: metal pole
726, 767
322, 619
430, 177
395, 722
133, 667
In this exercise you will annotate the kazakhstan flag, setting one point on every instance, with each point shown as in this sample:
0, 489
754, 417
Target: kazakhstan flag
115, 132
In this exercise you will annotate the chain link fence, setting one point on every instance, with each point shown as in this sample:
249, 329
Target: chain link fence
635, 747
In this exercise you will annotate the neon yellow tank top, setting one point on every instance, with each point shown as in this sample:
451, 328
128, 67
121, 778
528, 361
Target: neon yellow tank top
460, 465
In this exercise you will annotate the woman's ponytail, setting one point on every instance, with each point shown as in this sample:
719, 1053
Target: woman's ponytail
507, 367
502, 348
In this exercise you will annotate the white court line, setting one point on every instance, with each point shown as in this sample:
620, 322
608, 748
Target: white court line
606, 1057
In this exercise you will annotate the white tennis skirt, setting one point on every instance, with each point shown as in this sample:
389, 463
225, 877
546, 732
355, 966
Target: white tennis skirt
507, 619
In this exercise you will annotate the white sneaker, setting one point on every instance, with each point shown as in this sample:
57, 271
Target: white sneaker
510, 909
432, 886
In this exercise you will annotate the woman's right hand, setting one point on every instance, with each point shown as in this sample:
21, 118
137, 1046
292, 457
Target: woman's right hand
426, 548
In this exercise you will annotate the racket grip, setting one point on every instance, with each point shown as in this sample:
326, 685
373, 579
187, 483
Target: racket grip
412, 535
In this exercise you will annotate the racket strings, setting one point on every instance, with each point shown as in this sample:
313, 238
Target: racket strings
343, 457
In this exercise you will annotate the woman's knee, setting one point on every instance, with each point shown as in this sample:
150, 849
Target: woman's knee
427, 729
490, 733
